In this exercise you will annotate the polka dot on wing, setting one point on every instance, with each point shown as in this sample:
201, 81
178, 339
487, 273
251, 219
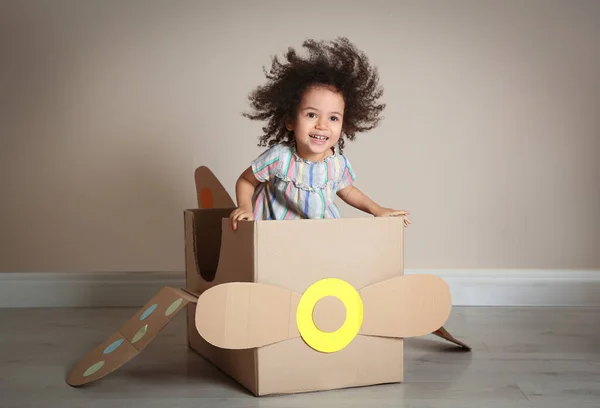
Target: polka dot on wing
173, 307
148, 311
93, 369
140, 333
113, 346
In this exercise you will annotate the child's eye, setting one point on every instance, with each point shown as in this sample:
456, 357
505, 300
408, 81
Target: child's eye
312, 115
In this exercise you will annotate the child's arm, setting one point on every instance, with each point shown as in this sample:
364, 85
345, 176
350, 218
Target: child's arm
244, 189
359, 200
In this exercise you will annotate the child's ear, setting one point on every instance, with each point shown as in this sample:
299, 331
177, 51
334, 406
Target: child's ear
289, 125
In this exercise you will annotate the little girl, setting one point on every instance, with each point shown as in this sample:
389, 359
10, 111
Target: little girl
311, 105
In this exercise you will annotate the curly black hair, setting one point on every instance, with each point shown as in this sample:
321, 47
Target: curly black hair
338, 64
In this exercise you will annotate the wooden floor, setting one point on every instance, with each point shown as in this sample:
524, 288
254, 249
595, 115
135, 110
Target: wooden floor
522, 357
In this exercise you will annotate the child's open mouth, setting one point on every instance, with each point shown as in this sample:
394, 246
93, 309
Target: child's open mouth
319, 138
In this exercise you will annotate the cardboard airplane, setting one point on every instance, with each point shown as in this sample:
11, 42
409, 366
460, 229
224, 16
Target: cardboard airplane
333, 323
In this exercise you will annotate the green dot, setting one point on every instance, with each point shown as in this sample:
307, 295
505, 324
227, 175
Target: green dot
140, 333
93, 368
173, 306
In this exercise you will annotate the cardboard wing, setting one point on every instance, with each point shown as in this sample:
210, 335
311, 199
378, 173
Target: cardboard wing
132, 337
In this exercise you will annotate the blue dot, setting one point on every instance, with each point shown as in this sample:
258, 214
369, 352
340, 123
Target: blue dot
113, 346
148, 311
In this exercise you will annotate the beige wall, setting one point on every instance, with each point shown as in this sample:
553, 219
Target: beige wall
492, 136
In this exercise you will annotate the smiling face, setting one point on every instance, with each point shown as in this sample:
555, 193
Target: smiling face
318, 122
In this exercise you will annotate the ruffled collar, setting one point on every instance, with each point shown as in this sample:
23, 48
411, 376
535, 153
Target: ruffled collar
325, 160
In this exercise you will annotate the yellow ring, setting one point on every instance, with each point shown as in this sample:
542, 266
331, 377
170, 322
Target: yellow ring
337, 340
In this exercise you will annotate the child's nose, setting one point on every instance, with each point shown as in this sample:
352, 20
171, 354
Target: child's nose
322, 124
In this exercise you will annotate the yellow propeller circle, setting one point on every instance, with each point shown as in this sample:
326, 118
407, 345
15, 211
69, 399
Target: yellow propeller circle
337, 340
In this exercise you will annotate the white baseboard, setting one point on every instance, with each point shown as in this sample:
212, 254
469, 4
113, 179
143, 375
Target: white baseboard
89, 289
485, 287
521, 287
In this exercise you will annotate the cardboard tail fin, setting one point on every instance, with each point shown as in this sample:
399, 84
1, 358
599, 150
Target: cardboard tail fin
210, 191
132, 338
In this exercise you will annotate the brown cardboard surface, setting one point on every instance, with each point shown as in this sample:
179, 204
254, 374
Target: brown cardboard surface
132, 338
405, 306
296, 253
210, 192
292, 367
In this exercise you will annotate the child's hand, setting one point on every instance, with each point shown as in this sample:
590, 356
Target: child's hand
388, 212
238, 214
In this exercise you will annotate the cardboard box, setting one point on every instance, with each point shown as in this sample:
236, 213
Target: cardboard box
294, 255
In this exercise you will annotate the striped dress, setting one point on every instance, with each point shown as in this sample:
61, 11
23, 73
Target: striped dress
295, 188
